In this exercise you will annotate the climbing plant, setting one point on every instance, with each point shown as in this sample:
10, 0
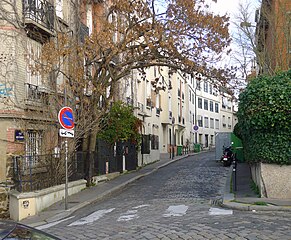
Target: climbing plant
264, 119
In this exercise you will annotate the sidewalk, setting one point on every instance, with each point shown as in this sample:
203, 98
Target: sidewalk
244, 198
57, 211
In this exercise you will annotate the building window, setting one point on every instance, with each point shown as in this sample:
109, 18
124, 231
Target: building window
200, 103
212, 123
216, 107
190, 117
155, 142
59, 8
205, 86
205, 104
224, 102
206, 122
33, 145
198, 87
223, 121
200, 121
216, 123
193, 98
211, 106
210, 88
190, 95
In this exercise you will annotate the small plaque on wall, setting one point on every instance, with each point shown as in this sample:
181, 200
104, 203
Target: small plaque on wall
19, 135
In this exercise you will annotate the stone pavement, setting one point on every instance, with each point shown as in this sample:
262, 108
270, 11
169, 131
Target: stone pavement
96, 193
243, 199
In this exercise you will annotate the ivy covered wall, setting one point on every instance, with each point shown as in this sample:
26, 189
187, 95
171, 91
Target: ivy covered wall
264, 119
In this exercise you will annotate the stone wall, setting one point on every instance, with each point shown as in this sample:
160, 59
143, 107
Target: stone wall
273, 180
4, 202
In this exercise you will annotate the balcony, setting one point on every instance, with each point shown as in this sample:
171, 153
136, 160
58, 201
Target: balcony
36, 95
39, 15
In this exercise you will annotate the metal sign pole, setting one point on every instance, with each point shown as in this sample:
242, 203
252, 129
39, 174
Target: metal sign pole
66, 120
66, 161
66, 170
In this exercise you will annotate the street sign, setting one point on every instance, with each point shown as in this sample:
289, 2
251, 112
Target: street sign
66, 118
66, 133
195, 128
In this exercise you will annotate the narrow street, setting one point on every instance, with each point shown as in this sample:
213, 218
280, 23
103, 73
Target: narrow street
175, 202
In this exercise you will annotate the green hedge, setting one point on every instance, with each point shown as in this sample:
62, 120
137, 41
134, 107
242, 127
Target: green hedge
264, 119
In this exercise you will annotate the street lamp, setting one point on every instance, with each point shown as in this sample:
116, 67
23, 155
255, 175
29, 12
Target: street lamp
173, 135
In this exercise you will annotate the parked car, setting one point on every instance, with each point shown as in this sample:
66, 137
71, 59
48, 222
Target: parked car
10, 230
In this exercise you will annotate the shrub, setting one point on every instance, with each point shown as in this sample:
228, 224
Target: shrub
264, 119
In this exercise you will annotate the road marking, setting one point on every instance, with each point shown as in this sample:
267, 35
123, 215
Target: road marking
219, 211
176, 211
53, 223
92, 217
141, 206
129, 215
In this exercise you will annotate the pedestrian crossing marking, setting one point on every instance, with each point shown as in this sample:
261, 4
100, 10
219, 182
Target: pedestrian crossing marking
92, 217
219, 211
176, 211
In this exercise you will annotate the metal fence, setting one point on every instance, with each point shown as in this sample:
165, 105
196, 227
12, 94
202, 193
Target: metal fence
31, 173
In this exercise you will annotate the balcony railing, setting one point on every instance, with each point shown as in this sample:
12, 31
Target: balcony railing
40, 12
35, 94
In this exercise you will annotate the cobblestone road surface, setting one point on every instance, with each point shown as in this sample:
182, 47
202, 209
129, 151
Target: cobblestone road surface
173, 203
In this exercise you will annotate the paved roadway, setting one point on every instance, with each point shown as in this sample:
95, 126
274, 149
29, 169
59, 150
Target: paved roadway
175, 202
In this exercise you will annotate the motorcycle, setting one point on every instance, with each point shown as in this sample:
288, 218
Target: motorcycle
227, 157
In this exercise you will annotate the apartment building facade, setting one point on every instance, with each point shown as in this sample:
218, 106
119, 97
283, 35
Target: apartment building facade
273, 32
176, 109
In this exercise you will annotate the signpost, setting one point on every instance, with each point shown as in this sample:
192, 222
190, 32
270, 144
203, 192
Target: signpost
66, 120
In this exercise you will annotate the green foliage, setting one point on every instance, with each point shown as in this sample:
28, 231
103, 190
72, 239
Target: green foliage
119, 124
255, 189
264, 122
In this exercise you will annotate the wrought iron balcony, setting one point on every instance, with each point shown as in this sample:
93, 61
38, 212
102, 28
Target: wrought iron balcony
39, 13
35, 95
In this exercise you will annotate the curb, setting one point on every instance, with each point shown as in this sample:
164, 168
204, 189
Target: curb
229, 200
250, 207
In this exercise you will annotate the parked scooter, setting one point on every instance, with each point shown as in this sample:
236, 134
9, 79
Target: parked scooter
227, 157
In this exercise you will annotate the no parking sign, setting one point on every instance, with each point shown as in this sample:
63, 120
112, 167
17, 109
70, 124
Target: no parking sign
66, 118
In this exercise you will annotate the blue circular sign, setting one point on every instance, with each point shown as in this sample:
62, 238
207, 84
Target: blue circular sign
195, 128
66, 118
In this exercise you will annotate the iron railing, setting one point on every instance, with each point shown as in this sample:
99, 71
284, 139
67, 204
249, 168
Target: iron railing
39, 11
35, 94
31, 173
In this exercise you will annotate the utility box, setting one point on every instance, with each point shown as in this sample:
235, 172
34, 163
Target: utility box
222, 140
